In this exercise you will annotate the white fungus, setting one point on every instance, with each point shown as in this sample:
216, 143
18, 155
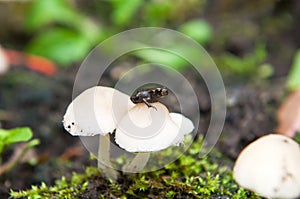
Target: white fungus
96, 111
270, 166
150, 129
101, 110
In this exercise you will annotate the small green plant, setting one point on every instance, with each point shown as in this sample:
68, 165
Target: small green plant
251, 64
12, 136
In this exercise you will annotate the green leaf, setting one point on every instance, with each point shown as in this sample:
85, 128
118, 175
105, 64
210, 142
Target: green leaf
124, 11
265, 70
1, 148
33, 143
15, 135
61, 45
199, 30
18, 135
11, 136
47, 11
162, 57
156, 13
293, 81
90, 30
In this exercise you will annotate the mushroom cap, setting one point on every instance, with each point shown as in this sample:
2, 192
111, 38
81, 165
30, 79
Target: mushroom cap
184, 124
270, 166
96, 111
145, 129
3, 62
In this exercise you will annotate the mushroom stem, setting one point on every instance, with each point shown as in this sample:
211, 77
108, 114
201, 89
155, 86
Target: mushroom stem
104, 164
137, 164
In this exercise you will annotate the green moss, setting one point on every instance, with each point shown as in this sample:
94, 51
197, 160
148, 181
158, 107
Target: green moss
188, 177
63, 188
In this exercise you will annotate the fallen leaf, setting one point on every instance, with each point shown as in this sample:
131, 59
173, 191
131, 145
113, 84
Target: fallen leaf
33, 62
288, 115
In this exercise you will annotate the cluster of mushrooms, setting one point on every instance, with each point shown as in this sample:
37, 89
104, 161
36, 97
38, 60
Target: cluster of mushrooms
137, 128
270, 166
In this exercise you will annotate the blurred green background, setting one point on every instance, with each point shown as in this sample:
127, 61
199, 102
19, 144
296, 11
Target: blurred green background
244, 38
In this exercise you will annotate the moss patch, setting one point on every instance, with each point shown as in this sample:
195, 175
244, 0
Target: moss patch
188, 177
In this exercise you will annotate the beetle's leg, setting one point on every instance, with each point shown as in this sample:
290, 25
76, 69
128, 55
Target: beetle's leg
149, 105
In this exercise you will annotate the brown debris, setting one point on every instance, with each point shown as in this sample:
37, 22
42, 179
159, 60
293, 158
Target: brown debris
71, 152
288, 115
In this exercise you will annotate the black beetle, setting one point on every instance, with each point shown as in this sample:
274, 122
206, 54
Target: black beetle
148, 96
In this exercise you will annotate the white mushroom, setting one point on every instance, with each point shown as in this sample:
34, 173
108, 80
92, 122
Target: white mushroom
95, 112
145, 130
101, 110
184, 124
270, 166
150, 129
3, 62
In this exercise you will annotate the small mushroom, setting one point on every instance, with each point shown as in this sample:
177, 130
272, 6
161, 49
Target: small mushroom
270, 166
150, 129
3, 62
145, 130
95, 112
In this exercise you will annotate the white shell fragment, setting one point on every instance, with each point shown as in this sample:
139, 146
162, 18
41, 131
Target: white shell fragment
270, 166
3, 62
96, 111
145, 129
